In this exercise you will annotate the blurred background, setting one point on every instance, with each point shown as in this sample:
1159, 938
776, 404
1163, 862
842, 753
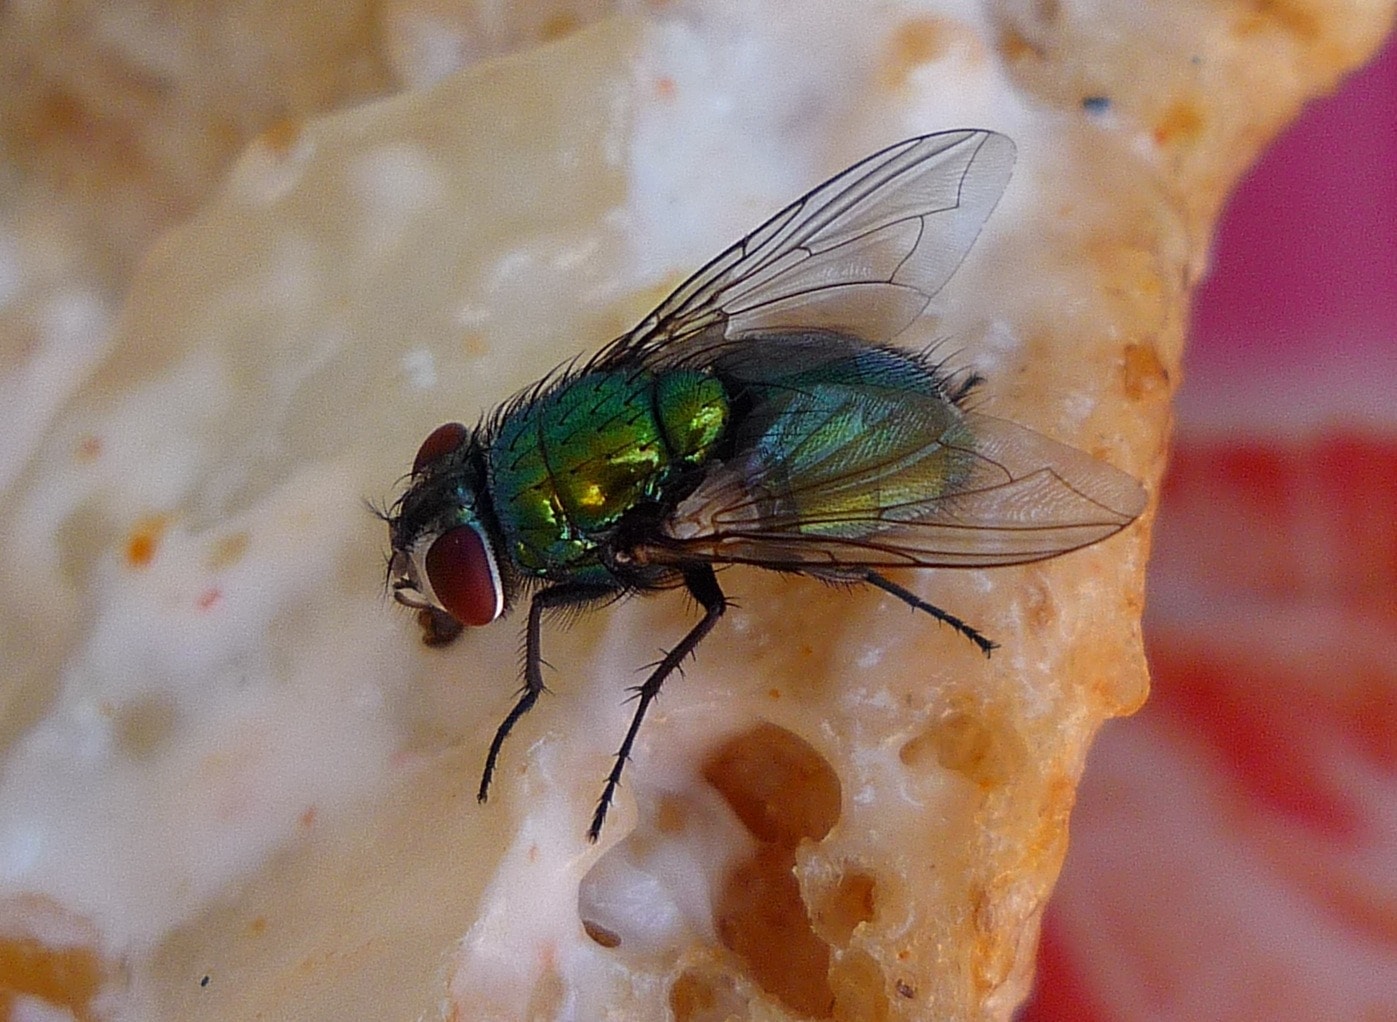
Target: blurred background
1234, 846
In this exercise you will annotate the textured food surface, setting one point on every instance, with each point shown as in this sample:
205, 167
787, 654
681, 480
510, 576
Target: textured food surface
235, 782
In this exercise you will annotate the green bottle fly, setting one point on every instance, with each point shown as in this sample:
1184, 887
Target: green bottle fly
758, 416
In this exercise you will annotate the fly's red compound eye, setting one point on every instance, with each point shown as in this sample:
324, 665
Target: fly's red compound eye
463, 575
439, 443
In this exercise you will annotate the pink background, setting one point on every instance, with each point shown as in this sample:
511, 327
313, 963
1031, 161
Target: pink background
1234, 848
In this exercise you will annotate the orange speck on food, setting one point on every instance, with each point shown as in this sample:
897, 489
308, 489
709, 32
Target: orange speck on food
89, 448
1144, 372
1017, 47
64, 978
773, 693
228, 550
144, 540
475, 344
1293, 18
63, 112
258, 926
559, 25
281, 135
1181, 124
209, 598
665, 87
914, 43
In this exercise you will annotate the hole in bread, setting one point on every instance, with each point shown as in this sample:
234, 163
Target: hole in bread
860, 988
599, 933
762, 919
784, 792
778, 785
985, 750
842, 910
704, 996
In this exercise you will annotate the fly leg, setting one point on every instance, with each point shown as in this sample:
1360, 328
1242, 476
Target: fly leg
917, 603
703, 586
564, 595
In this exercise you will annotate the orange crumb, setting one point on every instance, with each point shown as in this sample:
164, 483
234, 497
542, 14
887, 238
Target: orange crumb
1016, 47
773, 693
64, 978
209, 598
914, 43
1294, 18
1182, 123
308, 816
664, 87
144, 540
1144, 372
258, 926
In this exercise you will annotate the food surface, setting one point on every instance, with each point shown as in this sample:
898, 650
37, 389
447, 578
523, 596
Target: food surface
236, 782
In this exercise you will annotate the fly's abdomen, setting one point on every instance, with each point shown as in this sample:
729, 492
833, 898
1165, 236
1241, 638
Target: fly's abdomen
566, 468
855, 443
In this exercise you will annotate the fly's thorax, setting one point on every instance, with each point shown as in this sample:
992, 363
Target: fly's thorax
566, 468
693, 411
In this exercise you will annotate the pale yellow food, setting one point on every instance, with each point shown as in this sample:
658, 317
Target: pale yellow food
235, 783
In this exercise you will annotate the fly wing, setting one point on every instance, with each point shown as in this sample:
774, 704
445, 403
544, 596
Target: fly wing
862, 254
984, 492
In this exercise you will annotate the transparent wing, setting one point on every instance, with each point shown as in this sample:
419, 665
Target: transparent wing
861, 254
1017, 496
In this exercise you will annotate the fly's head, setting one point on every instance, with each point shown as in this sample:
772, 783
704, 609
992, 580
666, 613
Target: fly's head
443, 558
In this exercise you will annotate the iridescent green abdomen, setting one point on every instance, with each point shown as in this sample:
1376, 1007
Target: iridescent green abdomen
565, 469
848, 437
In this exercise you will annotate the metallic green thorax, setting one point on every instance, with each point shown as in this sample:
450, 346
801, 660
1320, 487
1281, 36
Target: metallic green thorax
565, 468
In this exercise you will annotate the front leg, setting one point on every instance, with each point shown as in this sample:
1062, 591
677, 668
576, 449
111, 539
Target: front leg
703, 585
566, 594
